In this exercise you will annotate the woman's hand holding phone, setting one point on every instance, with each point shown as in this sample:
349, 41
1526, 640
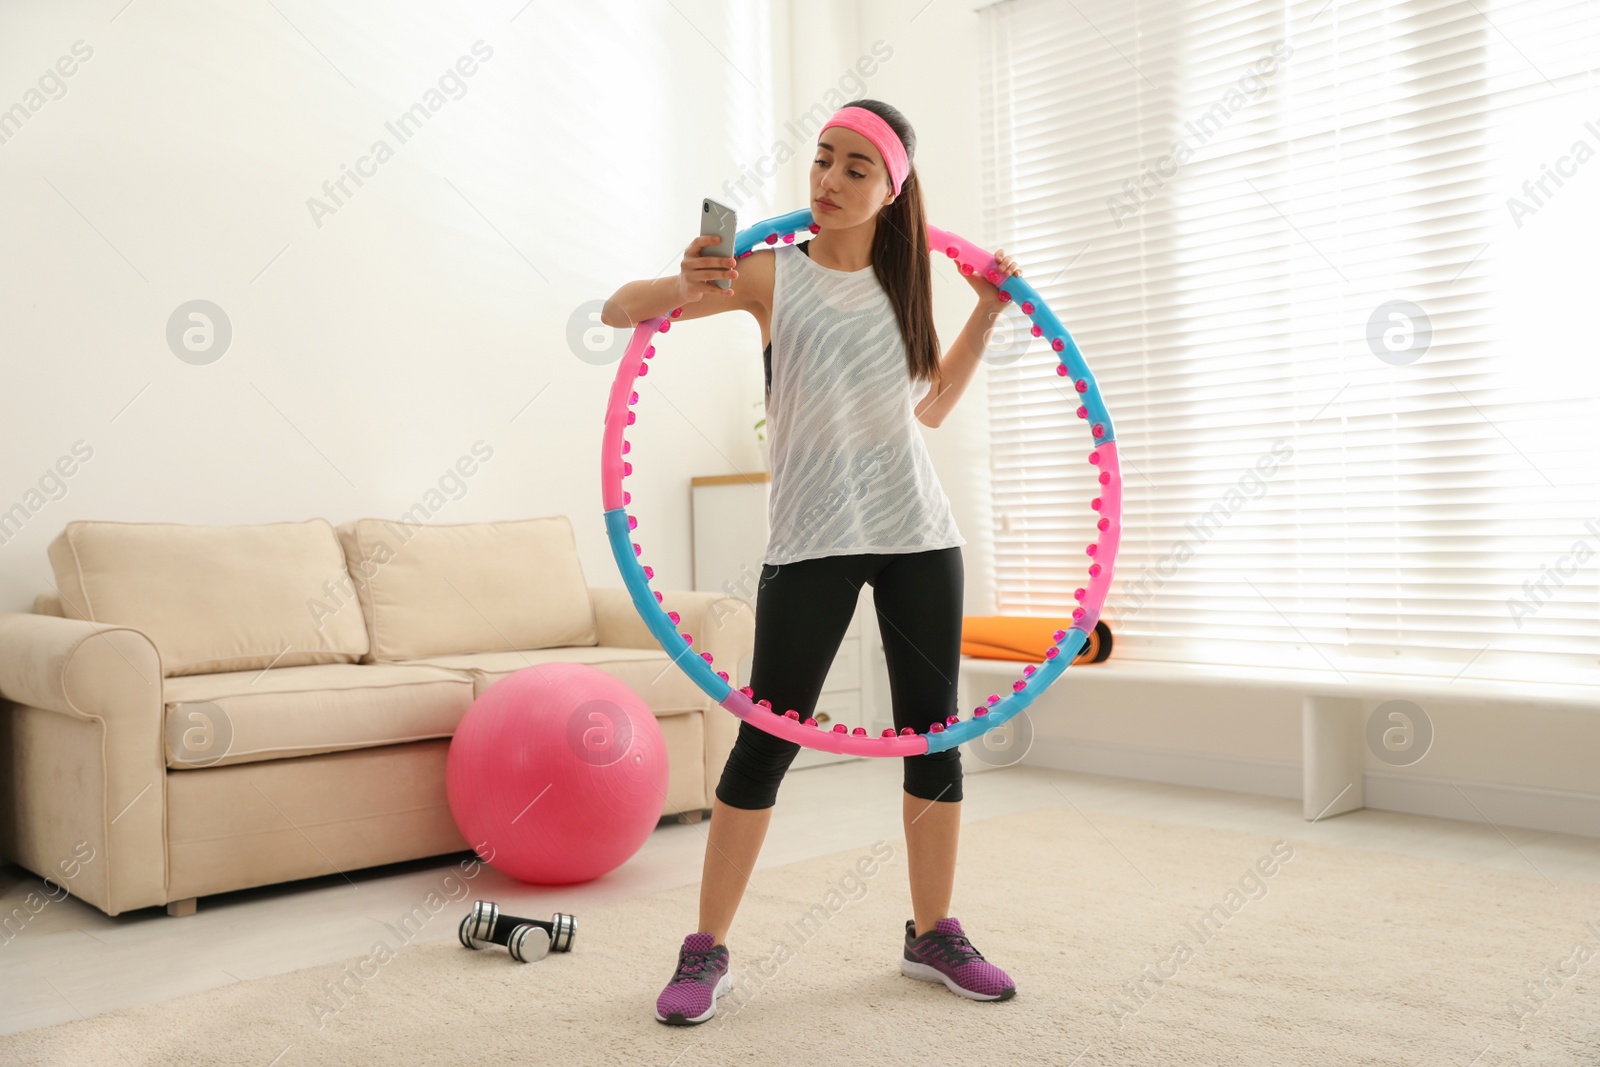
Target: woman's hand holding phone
697, 273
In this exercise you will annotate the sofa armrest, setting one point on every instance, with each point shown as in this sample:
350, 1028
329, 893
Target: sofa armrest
82, 758
722, 625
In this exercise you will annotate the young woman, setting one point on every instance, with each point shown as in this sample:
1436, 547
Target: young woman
852, 364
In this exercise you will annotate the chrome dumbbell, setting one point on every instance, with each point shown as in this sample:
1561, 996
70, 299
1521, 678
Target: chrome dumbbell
526, 939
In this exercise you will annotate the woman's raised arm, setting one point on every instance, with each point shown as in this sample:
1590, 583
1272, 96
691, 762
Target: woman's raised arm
696, 278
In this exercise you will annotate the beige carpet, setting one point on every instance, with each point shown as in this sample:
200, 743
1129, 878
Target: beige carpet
1337, 956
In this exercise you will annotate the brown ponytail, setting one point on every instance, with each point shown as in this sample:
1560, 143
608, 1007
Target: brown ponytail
900, 258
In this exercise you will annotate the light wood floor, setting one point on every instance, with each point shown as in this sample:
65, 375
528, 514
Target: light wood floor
71, 961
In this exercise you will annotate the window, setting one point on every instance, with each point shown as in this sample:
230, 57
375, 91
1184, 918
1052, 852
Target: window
1332, 265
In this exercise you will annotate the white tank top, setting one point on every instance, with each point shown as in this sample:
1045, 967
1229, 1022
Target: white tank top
850, 471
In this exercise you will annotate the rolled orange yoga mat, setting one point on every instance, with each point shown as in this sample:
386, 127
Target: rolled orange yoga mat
1025, 638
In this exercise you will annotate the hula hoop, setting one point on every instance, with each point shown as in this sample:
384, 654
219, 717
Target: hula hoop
955, 730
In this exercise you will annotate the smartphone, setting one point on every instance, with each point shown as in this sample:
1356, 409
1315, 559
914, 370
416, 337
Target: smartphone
718, 219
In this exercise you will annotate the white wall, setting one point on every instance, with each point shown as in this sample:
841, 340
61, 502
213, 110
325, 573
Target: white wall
371, 349
374, 346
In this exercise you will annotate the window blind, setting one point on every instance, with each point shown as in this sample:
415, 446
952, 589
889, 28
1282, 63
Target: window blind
1332, 265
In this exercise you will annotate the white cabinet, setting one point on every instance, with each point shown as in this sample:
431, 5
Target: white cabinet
728, 515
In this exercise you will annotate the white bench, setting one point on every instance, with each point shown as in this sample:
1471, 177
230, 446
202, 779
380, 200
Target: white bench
1333, 722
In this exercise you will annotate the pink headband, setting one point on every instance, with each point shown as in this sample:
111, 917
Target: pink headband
870, 125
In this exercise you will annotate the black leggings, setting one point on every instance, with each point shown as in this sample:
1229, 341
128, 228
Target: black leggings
802, 612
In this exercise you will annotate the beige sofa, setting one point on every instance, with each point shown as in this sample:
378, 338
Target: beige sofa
200, 709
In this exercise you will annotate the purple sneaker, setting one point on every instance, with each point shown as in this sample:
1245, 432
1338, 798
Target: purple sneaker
944, 954
702, 977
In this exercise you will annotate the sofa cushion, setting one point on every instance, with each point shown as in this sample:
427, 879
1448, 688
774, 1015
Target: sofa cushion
665, 688
213, 598
470, 587
246, 716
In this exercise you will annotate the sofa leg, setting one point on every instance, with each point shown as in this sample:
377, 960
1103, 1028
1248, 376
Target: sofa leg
690, 817
180, 908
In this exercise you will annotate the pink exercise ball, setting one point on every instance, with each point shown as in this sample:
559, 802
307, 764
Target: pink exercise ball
557, 774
